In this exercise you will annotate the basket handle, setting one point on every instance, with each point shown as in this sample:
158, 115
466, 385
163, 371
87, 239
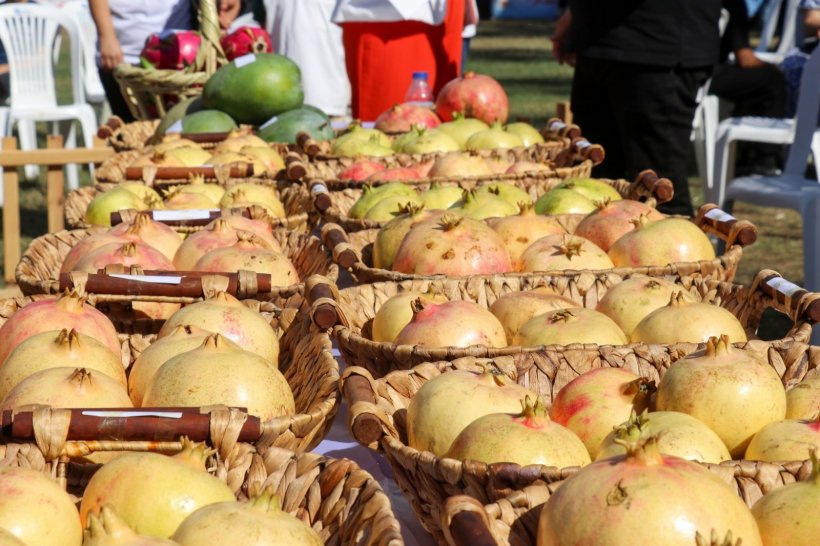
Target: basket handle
464, 522
335, 238
711, 219
307, 144
797, 300
107, 129
295, 167
584, 149
557, 128
321, 294
210, 55
237, 170
649, 184
193, 217
357, 388
321, 196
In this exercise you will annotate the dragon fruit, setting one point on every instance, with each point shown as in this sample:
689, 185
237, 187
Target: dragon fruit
245, 40
170, 49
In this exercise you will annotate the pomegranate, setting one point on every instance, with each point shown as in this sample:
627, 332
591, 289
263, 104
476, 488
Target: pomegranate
662, 242
528, 134
480, 206
248, 193
170, 49
395, 173
513, 310
8, 539
131, 253
231, 158
269, 157
631, 300
28, 495
67, 387
103, 204
53, 314
158, 159
458, 323
461, 129
197, 184
499, 165
58, 349
402, 117
596, 401
107, 529
249, 253
392, 233
179, 199
218, 373
373, 194
258, 227
451, 165
716, 540
169, 142
373, 146
391, 207
226, 315
258, 522
475, 96
156, 234
447, 403
146, 193
788, 515
558, 252
428, 141
526, 167
564, 201
803, 400
787, 440
683, 321
154, 493
452, 246
361, 169
440, 197
182, 339
246, 40
217, 234
733, 391
493, 138
396, 313
524, 438
238, 140
593, 189
91, 243
678, 434
567, 326
519, 231
639, 498
189, 156
508, 192
613, 219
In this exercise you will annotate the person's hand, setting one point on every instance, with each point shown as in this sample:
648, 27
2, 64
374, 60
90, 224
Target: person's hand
228, 11
746, 58
560, 39
110, 52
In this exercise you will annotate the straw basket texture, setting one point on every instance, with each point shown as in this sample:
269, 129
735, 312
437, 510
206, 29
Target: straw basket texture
305, 359
378, 417
127, 136
513, 520
296, 200
39, 269
354, 252
357, 306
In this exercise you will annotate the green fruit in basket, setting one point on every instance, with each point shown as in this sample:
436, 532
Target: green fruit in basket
529, 134
492, 138
430, 141
373, 194
254, 88
563, 201
441, 197
390, 207
357, 133
509, 193
146, 193
316, 109
208, 121
461, 128
593, 189
362, 148
100, 208
285, 127
176, 113
483, 205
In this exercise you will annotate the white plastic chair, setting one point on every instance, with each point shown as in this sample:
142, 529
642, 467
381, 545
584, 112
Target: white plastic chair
788, 33
28, 32
792, 189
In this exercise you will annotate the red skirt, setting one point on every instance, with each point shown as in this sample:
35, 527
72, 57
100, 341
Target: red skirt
381, 58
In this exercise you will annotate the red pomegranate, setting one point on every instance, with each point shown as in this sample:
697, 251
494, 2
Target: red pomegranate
170, 49
395, 173
131, 253
612, 219
361, 169
245, 40
402, 117
475, 96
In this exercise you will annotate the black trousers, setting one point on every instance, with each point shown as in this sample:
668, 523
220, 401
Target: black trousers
114, 95
642, 116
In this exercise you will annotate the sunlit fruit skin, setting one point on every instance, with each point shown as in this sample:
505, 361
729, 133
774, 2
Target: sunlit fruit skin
509, 192
735, 392
482, 205
402, 117
26, 497
396, 313
390, 207
8, 539
440, 197
446, 404
493, 138
127, 254
462, 128
371, 195
156, 234
564, 201
559, 252
462, 164
392, 233
788, 515
474, 96
248, 254
258, 227
786, 440
643, 498
687, 322
458, 323
570, 325
529, 134
613, 219
247, 193
108, 529
519, 231
361, 169
525, 438
67, 387
661, 242
678, 434
631, 300
513, 310
217, 234
596, 401
803, 400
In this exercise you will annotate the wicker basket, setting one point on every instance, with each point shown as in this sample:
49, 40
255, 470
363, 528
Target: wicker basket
513, 521
297, 202
305, 359
123, 137
354, 252
356, 307
39, 269
378, 411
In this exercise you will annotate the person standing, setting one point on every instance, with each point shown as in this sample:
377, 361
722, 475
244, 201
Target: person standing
638, 67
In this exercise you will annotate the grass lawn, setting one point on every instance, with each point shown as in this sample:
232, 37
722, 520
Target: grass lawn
517, 53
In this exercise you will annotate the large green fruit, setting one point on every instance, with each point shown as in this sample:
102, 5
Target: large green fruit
177, 112
253, 92
208, 121
289, 124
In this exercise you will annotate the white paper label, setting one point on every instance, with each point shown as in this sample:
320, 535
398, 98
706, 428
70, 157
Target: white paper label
557, 125
190, 214
368, 124
244, 60
159, 279
319, 188
581, 144
339, 124
782, 285
271, 121
719, 216
167, 414
175, 127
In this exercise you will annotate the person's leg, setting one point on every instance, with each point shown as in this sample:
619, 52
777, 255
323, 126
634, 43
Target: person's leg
114, 95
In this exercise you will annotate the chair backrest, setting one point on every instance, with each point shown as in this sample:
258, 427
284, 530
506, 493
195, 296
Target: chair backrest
808, 105
81, 12
788, 33
28, 32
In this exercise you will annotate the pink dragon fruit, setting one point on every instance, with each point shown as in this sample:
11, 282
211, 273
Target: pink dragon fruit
245, 40
170, 49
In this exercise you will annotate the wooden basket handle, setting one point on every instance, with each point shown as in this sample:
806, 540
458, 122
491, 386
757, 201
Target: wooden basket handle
295, 167
584, 149
800, 302
335, 238
237, 170
649, 184
558, 128
711, 219
357, 388
464, 523
321, 196
306, 143
321, 295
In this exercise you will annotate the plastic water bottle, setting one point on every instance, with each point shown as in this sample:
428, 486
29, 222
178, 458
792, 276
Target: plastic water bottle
419, 92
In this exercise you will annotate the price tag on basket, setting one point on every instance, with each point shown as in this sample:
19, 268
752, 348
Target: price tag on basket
177, 215
159, 279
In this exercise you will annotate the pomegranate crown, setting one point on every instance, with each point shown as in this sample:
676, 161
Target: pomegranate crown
717, 346
641, 221
194, 454
715, 539
643, 451
814, 454
526, 209
603, 203
561, 315
677, 299
634, 428
264, 499
450, 221
107, 525
571, 246
69, 339
196, 179
533, 407
410, 208
491, 371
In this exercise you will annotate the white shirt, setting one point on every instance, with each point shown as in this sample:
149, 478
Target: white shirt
431, 12
135, 20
